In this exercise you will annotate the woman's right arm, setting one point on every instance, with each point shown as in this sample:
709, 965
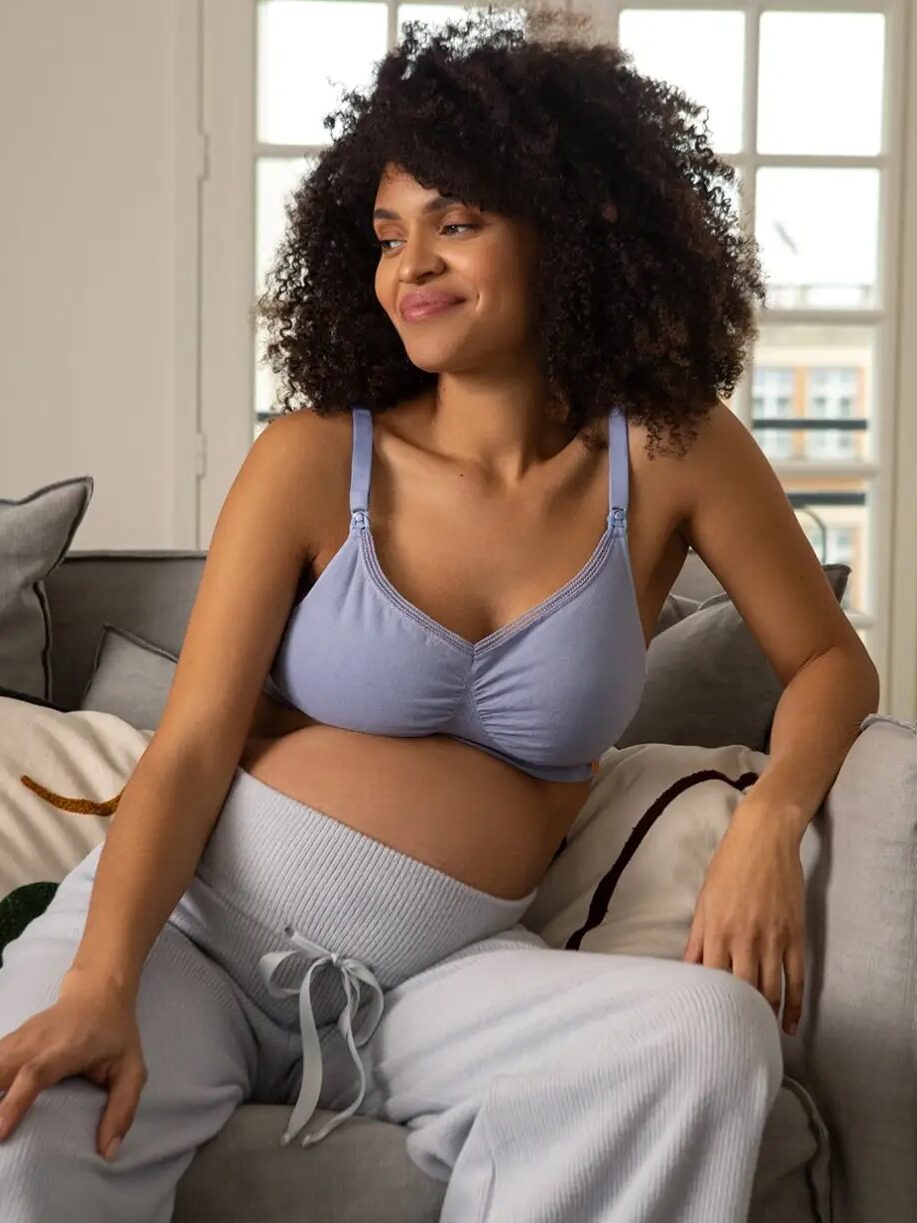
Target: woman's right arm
174, 795
171, 801
151, 850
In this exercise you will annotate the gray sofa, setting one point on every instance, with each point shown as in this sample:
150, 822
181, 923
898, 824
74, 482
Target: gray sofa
841, 1142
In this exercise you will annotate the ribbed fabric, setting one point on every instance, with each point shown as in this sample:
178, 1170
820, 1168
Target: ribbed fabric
310, 888
552, 1086
541, 1085
280, 862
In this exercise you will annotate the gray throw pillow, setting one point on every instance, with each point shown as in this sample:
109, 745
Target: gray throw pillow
675, 608
708, 682
35, 534
130, 678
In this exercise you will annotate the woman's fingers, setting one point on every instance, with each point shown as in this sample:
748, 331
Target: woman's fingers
24, 1082
794, 959
123, 1097
31, 1077
69, 1039
772, 976
716, 951
745, 964
9, 1063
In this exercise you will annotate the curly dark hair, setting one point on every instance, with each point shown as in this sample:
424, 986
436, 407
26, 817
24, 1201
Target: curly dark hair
651, 275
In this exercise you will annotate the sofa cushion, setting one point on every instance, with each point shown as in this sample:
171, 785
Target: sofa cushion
362, 1171
859, 1022
627, 875
708, 681
35, 533
148, 593
793, 1176
61, 775
130, 678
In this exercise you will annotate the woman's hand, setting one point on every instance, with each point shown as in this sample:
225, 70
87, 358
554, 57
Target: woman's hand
90, 1030
750, 914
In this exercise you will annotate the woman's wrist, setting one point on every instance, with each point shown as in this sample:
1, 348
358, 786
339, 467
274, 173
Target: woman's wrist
111, 979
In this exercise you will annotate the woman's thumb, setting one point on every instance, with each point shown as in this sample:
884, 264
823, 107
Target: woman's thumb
123, 1097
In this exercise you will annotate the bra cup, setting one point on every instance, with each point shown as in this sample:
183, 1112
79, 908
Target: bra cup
550, 697
564, 690
389, 677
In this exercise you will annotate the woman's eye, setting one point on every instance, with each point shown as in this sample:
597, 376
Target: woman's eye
455, 225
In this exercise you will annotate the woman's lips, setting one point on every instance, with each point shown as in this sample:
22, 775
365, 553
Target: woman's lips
416, 314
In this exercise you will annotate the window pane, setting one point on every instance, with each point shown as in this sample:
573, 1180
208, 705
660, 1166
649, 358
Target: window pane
699, 52
275, 179
812, 392
309, 51
266, 389
772, 400
831, 393
818, 232
820, 83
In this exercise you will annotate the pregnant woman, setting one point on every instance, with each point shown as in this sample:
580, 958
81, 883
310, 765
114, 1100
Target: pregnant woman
422, 619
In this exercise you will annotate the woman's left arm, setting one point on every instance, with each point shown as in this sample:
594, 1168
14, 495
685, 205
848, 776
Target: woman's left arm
749, 917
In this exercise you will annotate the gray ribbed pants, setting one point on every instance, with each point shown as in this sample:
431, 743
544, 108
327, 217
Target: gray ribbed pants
310, 964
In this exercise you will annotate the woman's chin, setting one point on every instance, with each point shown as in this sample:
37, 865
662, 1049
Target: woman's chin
438, 362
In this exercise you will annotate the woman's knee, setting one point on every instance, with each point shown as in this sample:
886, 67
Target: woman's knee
50, 1160
733, 1031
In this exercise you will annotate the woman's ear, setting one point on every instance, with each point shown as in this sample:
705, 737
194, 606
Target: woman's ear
610, 211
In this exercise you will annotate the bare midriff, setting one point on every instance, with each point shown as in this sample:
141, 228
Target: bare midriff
439, 800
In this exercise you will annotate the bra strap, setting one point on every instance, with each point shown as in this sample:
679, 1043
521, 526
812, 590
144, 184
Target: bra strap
361, 461
617, 468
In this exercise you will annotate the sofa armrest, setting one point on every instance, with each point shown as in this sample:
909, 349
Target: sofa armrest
857, 1042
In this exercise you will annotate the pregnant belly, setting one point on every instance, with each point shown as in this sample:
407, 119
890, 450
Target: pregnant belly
443, 802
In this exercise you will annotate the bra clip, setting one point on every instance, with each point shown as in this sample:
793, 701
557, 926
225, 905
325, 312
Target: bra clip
358, 519
618, 516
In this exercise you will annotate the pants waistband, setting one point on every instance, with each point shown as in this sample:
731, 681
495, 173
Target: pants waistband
316, 892
284, 863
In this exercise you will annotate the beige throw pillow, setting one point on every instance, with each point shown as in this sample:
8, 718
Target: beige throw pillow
61, 775
627, 877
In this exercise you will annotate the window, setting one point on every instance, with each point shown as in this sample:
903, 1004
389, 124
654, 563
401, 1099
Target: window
807, 135
773, 395
831, 394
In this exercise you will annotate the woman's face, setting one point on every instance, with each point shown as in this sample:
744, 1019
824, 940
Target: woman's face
443, 245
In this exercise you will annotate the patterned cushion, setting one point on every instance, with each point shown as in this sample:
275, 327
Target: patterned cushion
627, 875
61, 775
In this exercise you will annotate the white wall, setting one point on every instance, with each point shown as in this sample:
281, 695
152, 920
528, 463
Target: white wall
97, 173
